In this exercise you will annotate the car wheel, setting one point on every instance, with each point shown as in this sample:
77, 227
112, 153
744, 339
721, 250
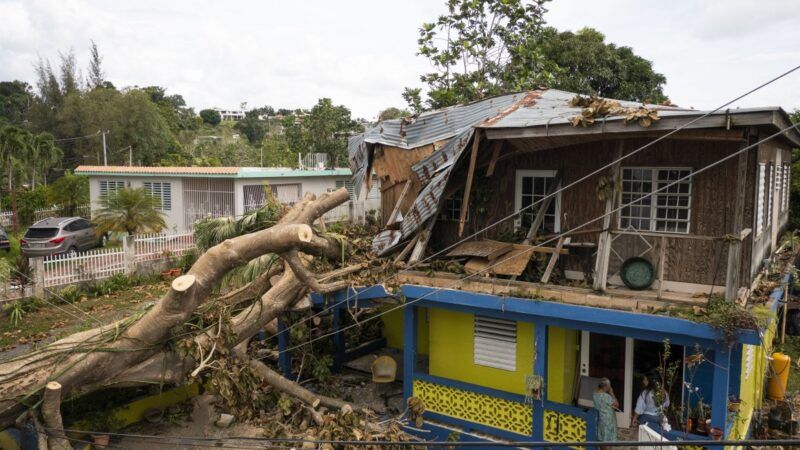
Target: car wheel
72, 251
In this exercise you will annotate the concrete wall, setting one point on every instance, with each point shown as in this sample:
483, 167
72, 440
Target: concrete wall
173, 217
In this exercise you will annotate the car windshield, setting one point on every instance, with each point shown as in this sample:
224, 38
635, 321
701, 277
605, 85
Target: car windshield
41, 233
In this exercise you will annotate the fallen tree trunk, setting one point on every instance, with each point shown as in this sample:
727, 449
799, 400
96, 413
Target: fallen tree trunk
134, 351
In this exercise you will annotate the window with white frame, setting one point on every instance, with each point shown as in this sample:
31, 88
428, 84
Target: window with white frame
347, 184
108, 187
495, 343
161, 192
656, 199
532, 186
451, 207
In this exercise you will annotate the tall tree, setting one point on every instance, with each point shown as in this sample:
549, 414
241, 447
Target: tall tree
393, 113
210, 116
70, 78
583, 62
324, 129
42, 155
15, 100
14, 143
69, 192
472, 46
96, 77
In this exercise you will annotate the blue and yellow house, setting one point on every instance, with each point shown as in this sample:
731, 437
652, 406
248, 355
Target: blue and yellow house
590, 249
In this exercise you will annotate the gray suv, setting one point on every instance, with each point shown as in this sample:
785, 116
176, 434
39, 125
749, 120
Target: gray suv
58, 235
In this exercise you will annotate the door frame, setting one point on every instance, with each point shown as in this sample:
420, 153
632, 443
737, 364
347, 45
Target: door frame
624, 416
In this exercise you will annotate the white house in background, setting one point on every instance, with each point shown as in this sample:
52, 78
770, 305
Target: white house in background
188, 194
230, 114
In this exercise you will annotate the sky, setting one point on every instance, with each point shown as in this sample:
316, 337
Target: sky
363, 53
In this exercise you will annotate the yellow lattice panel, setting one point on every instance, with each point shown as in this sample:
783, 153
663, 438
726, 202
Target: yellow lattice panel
560, 427
484, 409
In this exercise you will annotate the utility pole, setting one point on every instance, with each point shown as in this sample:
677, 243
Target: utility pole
130, 155
105, 151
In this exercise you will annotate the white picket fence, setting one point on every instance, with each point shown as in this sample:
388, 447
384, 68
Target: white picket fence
7, 217
156, 246
94, 264
61, 270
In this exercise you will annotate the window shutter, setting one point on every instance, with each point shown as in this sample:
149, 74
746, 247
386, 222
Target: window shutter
762, 170
166, 196
495, 343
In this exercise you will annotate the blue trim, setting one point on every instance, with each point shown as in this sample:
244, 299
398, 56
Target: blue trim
409, 349
510, 396
719, 393
621, 323
284, 357
474, 426
350, 297
338, 339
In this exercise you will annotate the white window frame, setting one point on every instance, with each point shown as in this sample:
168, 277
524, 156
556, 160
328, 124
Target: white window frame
156, 190
495, 343
770, 191
653, 220
520, 174
787, 186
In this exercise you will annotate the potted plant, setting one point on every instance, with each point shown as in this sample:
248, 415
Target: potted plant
716, 433
701, 423
734, 403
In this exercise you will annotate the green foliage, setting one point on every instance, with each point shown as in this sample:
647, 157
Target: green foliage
129, 211
210, 116
70, 294
212, 231
324, 129
488, 47
16, 311
393, 113
29, 201
583, 62
253, 126
794, 190
481, 48
15, 98
69, 192
277, 153
188, 259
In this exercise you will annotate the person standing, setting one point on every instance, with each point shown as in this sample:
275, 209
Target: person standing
647, 410
605, 403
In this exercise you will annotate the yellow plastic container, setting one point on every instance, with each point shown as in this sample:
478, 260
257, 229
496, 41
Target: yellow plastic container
779, 376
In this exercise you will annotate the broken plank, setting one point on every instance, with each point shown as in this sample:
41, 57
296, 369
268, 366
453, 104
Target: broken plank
422, 242
496, 146
396, 210
407, 249
473, 158
552, 263
486, 249
543, 207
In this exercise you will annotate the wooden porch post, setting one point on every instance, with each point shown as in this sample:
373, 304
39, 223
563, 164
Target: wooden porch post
719, 392
735, 245
540, 370
409, 349
604, 241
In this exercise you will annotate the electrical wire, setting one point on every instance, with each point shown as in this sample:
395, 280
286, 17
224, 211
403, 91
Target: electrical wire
550, 195
98, 133
554, 238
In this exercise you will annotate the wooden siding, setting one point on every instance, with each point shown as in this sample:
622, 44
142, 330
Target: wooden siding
392, 165
700, 261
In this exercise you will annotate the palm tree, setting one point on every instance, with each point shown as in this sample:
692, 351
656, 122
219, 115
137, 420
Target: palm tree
129, 211
13, 146
42, 155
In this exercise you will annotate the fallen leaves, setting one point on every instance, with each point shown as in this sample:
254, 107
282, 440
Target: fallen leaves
594, 107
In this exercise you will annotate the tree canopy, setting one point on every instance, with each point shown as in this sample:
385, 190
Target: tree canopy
489, 47
210, 116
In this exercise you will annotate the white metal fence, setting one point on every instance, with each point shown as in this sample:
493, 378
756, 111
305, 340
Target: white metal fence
156, 246
91, 265
7, 217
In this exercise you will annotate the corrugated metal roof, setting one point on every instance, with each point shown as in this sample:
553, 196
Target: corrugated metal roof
427, 168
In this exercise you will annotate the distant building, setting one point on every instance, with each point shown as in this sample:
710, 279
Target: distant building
230, 114
188, 194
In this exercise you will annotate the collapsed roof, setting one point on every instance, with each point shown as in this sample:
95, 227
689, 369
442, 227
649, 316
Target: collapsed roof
538, 113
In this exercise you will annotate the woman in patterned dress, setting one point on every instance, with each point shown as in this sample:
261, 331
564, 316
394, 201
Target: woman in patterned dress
605, 403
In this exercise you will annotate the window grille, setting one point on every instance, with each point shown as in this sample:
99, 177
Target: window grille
161, 192
668, 209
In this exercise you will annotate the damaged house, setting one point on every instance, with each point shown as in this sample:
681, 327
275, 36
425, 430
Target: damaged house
586, 231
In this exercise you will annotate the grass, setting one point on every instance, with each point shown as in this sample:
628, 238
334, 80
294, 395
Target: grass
45, 320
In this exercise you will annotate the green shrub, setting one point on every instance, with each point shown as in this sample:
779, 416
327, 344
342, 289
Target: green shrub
70, 294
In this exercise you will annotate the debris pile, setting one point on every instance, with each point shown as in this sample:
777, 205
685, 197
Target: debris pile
594, 107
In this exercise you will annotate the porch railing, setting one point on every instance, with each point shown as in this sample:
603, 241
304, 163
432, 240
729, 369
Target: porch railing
501, 413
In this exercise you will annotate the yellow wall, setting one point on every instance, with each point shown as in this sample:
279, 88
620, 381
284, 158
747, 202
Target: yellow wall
393, 329
751, 390
451, 354
562, 360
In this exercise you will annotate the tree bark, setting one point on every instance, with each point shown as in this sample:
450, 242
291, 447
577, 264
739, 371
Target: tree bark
51, 413
133, 351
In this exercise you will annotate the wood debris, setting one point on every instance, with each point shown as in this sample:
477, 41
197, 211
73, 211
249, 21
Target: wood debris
597, 107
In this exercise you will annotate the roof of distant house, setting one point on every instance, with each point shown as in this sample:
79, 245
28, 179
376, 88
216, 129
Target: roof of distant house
211, 172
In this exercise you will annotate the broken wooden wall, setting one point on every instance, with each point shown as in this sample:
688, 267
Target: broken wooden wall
688, 260
392, 165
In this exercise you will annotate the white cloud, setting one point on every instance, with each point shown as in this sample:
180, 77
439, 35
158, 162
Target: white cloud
361, 53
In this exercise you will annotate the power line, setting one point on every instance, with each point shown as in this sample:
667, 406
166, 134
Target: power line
78, 137
550, 195
555, 237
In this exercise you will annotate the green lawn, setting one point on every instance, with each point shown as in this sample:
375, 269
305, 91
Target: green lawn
50, 321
